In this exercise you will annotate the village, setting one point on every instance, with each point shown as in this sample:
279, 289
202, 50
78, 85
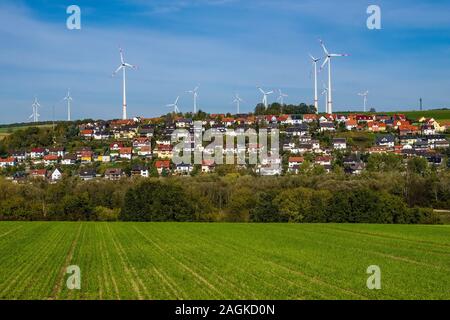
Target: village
118, 149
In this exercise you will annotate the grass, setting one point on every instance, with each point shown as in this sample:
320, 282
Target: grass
9, 130
416, 115
222, 261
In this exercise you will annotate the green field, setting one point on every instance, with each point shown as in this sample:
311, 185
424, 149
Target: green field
416, 115
222, 261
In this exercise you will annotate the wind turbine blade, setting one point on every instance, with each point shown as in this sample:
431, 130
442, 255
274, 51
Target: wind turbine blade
121, 55
118, 69
323, 47
270, 92
324, 63
339, 55
262, 91
130, 66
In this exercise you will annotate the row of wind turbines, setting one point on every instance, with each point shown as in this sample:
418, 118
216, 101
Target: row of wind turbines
36, 105
327, 90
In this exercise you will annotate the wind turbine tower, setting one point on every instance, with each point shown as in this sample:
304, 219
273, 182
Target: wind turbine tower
364, 95
265, 94
316, 98
325, 93
35, 116
174, 106
123, 66
281, 96
69, 99
328, 59
238, 101
194, 92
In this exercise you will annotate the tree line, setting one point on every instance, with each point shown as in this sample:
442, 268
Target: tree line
387, 197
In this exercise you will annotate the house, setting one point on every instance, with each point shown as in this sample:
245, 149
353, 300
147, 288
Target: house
20, 156
406, 129
140, 142
294, 164
163, 151
162, 166
50, 159
339, 143
101, 135
86, 156
69, 159
354, 168
323, 160
145, 152
147, 131
37, 153
87, 134
228, 122
184, 168
376, 126
139, 171
387, 140
55, 175
208, 166
183, 123
327, 126
269, 170
309, 118
351, 124
116, 146
8, 162
303, 148
428, 129
377, 150
294, 119
126, 153
38, 173
363, 118
58, 151
87, 174
113, 174
105, 158
298, 130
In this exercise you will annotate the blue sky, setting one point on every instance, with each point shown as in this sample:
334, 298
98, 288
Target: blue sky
224, 46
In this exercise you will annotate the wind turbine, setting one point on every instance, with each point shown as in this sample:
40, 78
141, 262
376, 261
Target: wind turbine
194, 92
316, 98
281, 96
69, 99
238, 101
325, 93
265, 94
35, 116
364, 94
123, 66
329, 56
174, 106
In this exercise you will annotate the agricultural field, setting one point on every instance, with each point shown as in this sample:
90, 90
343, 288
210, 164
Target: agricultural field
222, 261
443, 115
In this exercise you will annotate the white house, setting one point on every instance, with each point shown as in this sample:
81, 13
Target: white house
56, 175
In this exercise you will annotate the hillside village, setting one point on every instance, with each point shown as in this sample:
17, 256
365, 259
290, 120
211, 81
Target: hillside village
118, 149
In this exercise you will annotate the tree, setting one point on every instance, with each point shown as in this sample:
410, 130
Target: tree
154, 201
